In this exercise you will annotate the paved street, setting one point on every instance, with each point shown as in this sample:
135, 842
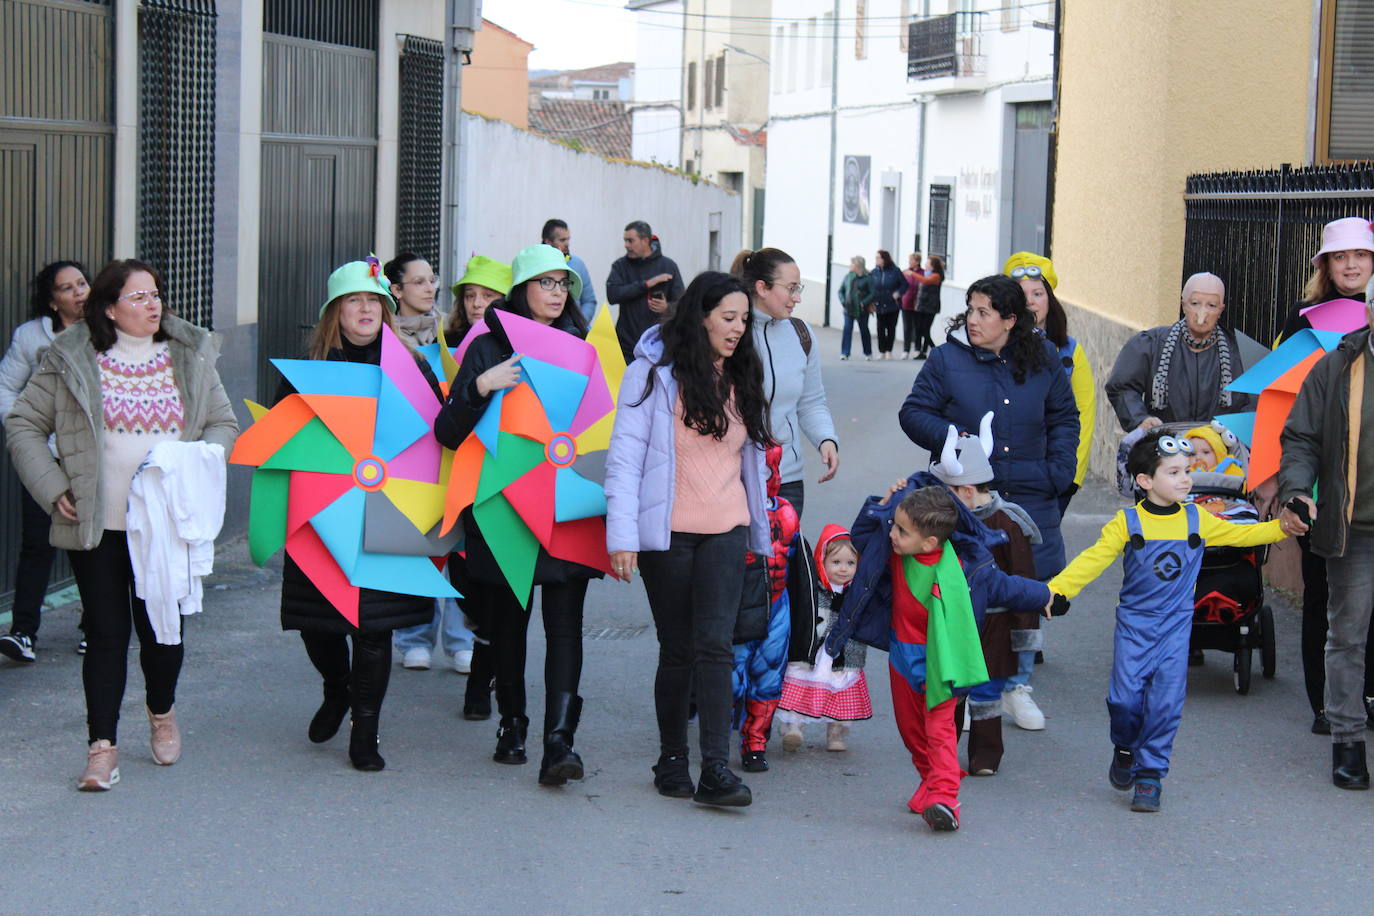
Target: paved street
254, 818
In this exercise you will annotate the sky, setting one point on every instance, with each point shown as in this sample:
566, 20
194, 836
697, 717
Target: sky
568, 34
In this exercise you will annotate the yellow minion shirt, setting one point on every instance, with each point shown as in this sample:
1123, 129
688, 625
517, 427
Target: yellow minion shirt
1170, 583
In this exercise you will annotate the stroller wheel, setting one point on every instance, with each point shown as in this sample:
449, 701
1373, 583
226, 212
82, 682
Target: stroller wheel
1240, 670
1268, 642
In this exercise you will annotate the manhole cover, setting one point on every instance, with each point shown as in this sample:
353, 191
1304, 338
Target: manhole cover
612, 632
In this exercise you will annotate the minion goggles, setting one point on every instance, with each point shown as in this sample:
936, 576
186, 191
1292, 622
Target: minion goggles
1173, 445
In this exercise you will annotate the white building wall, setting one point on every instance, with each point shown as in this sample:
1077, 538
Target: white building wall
657, 91
515, 179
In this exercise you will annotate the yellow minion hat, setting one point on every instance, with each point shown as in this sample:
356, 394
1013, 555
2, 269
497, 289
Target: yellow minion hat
1211, 437
1028, 259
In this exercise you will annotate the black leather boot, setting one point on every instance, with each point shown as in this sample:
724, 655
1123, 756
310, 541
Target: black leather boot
371, 672
1348, 769
515, 725
337, 701
561, 763
477, 696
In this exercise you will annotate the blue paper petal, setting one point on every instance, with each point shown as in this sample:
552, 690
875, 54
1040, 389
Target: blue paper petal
1242, 424
489, 427
398, 425
323, 376
560, 390
386, 571
574, 497
1288, 354
340, 526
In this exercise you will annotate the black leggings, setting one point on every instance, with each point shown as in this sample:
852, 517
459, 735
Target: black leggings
561, 604
35, 565
924, 322
110, 611
1315, 595
365, 676
694, 592
908, 329
887, 330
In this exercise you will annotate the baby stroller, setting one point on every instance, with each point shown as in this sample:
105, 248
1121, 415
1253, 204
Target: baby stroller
1229, 613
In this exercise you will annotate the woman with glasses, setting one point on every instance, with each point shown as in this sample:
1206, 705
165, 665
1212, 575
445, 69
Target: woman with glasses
888, 287
57, 297
993, 360
542, 287
414, 287
128, 377
791, 367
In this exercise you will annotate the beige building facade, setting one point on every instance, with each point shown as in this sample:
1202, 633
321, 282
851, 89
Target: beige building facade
497, 82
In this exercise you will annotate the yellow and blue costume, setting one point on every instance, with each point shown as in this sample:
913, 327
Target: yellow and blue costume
1162, 547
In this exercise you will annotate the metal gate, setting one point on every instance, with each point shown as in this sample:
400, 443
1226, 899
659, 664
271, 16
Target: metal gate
421, 149
319, 166
1257, 230
56, 172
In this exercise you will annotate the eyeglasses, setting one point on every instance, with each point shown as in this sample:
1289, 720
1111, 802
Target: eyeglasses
793, 289
1030, 270
1173, 445
422, 281
549, 284
140, 296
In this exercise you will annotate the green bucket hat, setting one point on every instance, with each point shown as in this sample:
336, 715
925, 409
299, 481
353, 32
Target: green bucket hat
540, 259
486, 272
363, 276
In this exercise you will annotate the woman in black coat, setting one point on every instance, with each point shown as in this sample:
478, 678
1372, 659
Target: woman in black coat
350, 330
888, 286
542, 287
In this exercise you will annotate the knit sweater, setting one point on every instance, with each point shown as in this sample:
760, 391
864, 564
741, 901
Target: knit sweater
142, 407
709, 497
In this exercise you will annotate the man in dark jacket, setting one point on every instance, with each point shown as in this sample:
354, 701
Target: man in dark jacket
644, 268
1328, 442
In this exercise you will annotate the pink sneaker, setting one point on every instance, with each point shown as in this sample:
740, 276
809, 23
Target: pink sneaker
102, 767
165, 739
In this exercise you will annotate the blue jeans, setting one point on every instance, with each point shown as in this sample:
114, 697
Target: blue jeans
1025, 664
447, 614
847, 336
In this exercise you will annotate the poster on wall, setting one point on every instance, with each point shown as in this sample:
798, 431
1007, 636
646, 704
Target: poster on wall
857, 175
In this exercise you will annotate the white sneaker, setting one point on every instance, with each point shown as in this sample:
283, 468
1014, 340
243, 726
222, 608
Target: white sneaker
462, 661
417, 658
1018, 704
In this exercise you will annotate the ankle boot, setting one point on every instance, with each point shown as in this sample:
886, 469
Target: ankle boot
1348, 769
477, 696
561, 763
337, 701
510, 736
985, 746
371, 672
363, 745
753, 735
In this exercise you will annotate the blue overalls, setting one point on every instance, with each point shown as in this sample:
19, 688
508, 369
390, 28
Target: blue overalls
1150, 648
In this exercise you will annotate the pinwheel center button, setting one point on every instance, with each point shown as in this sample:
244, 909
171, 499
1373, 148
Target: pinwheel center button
370, 473
561, 450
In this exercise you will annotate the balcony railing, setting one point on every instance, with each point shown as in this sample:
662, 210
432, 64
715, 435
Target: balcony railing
944, 46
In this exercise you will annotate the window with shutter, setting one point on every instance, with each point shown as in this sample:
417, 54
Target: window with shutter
1345, 113
720, 81
691, 85
708, 92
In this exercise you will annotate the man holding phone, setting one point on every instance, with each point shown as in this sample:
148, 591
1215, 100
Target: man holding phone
642, 283
1328, 443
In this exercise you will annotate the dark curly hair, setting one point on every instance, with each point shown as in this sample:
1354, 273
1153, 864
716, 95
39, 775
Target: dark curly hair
688, 350
41, 287
1025, 349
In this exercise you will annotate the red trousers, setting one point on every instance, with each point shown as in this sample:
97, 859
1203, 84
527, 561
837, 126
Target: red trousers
930, 737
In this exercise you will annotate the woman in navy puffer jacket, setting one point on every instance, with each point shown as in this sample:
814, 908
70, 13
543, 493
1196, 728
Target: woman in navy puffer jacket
888, 286
994, 361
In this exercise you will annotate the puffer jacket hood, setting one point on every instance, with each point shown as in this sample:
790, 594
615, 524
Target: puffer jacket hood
830, 532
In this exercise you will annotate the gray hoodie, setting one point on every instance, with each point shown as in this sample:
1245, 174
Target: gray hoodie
796, 395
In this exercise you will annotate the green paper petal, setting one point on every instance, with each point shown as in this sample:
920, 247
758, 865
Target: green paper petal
515, 457
313, 448
512, 543
267, 513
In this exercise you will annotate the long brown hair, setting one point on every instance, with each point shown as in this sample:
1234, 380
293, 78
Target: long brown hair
759, 267
105, 292
327, 335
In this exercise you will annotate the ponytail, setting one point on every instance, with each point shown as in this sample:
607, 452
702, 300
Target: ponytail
762, 265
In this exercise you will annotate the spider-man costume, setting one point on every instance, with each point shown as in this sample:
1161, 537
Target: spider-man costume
760, 664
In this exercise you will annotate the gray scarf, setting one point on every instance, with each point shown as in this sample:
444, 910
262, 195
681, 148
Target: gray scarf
1159, 386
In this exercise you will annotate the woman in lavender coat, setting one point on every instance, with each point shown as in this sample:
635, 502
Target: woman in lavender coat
685, 498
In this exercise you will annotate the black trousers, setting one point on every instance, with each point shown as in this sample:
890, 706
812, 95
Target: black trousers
908, 329
694, 592
34, 568
365, 675
887, 330
110, 611
924, 322
561, 605
1315, 595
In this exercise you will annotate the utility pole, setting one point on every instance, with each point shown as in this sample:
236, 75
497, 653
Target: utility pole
834, 112
463, 18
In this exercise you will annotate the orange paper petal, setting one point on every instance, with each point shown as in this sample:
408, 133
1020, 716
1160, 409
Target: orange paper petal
350, 418
462, 480
260, 441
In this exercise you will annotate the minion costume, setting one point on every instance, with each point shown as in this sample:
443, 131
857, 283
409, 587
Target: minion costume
1077, 369
1162, 548
1219, 438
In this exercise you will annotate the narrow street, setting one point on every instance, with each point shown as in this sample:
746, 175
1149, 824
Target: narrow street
254, 818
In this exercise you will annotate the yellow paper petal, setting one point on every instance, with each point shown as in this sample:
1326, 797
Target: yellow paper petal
255, 410
446, 360
602, 336
597, 437
422, 503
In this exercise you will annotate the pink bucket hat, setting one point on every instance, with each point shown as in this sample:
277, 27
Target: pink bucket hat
1345, 234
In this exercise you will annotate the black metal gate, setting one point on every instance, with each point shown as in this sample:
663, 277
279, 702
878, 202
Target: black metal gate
421, 148
1258, 230
56, 172
176, 150
319, 163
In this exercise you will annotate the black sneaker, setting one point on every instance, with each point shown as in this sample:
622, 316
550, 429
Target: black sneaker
1119, 773
941, 817
672, 779
1321, 725
754, 761
719, 786
18, 647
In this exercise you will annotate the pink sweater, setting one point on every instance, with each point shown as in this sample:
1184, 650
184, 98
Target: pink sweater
708, 495
142, 408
